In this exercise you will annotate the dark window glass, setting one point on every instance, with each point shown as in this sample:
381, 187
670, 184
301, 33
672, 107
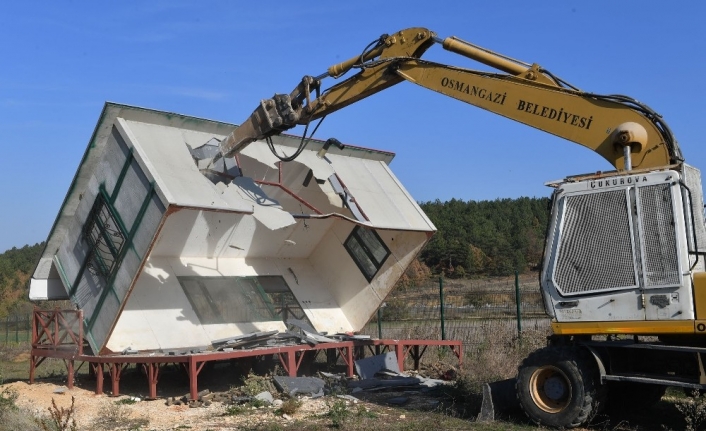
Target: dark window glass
241, 299
367, 250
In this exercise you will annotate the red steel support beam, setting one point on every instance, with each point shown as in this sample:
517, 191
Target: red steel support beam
98, 371
194, 370
152, 371
291, 363
32, 366
70, 371
400, 352
115, 370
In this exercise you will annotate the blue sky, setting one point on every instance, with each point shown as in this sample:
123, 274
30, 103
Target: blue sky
60, 61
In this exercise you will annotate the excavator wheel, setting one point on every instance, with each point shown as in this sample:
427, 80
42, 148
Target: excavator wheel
559, 387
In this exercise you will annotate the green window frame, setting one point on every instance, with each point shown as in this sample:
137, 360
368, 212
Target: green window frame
105, 238
367, 250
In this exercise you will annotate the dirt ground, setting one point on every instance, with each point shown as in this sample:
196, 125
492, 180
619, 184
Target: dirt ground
91, 409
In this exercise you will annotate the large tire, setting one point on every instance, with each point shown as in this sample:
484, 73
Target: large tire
632, 396
559, 387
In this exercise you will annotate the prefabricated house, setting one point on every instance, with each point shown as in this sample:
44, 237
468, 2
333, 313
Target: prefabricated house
161, 252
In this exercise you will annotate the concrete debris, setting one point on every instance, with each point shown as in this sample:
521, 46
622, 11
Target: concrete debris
277, 403
265, 397
303, 325
243, 341
61, 390
307, 333
378, 384
368, 367
418, 383
350, 398
318, 338
129, 351
310, 386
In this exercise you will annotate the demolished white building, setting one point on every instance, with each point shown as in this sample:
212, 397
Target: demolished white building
160, 256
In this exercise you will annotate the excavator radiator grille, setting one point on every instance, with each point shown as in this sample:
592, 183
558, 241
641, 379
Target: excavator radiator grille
595, 250
661, 264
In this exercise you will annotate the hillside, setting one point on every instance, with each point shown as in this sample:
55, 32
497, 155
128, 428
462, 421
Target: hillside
16, 266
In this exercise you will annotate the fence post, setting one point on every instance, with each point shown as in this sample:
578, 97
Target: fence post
518, 301
441, 306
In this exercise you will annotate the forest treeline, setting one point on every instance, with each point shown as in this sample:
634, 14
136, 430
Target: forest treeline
486, 237
16, 266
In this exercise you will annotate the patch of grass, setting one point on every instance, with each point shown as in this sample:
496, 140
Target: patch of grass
239, 409
338, 412
289, 407
235, 410
8, 397
118, 416
364, 412
126, 401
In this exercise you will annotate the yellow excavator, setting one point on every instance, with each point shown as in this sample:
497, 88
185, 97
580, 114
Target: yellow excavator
623, 276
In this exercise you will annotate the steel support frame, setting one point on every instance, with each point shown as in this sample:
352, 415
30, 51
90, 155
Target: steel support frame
48, 341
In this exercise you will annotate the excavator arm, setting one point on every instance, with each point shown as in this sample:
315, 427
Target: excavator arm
625, 132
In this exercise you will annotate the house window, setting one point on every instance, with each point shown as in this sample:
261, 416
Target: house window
218, 300
105, 239
367, 250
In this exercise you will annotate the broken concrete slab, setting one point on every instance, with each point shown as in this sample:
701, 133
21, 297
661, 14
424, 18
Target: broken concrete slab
311, 386
265, 397
319, 338
368, 367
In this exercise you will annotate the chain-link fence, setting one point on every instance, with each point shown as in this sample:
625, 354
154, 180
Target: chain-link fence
477, 312
16, 328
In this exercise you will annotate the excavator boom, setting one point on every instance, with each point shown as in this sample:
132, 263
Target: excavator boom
618, 128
